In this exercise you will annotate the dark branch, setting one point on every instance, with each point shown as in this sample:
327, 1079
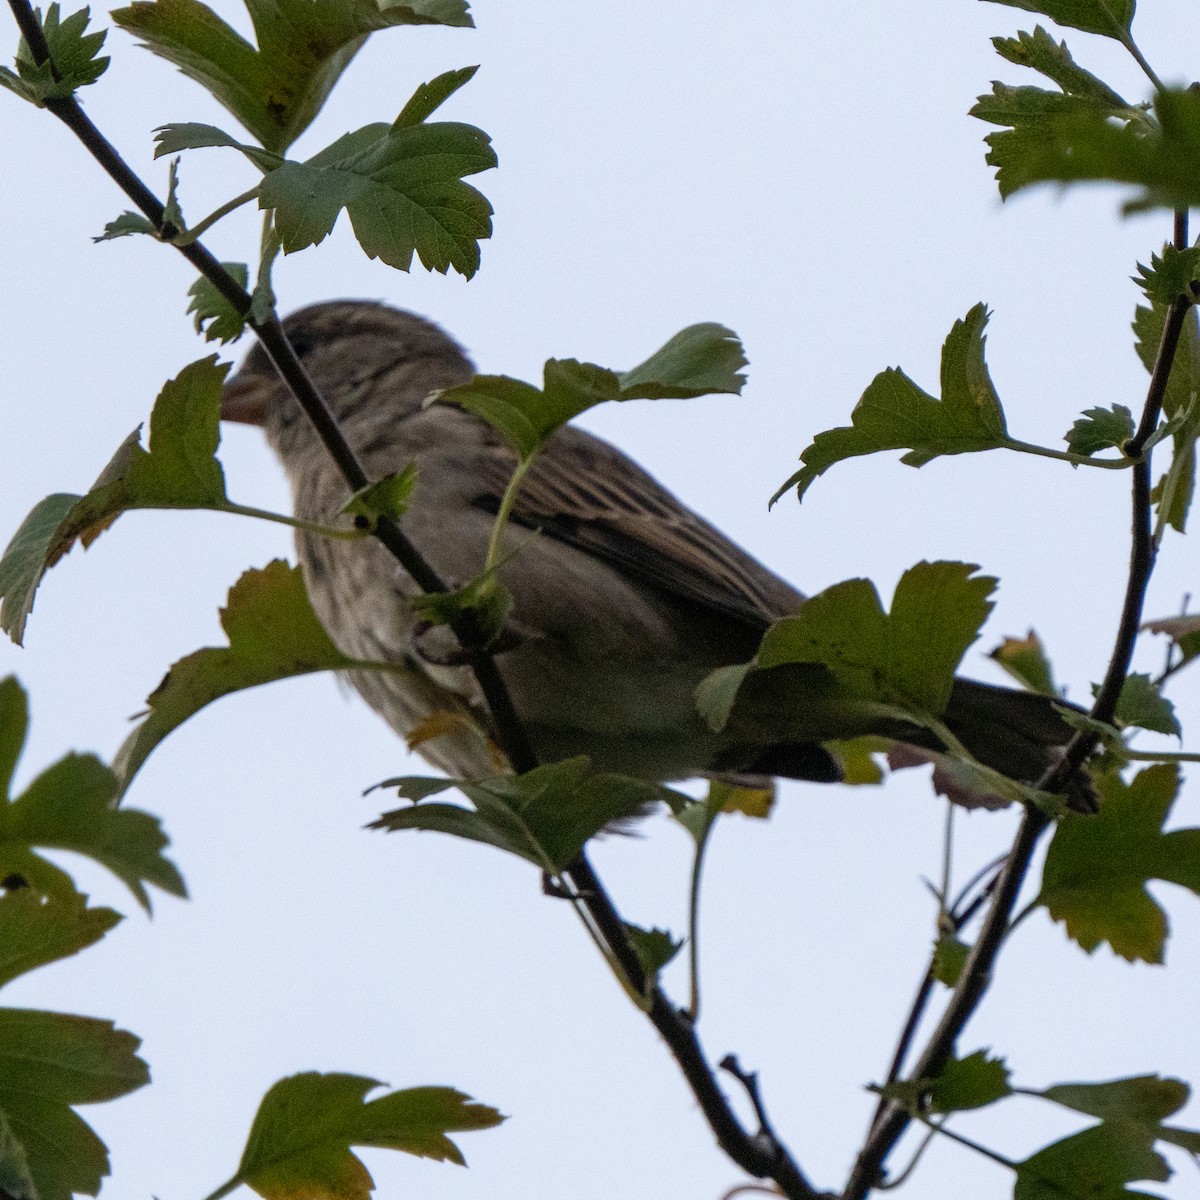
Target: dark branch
977, 973
763, 1157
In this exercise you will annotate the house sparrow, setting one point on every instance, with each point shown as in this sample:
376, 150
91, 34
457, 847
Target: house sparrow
624, 599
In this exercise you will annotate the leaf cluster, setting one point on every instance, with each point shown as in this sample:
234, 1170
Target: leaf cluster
74, 62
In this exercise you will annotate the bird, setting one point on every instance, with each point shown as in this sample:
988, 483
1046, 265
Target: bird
624, 599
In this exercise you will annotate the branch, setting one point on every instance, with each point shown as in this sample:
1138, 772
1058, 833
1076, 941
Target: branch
762, 1155
977, 973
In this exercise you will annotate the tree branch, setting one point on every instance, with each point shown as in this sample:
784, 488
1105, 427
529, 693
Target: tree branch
976, 975
762, 1156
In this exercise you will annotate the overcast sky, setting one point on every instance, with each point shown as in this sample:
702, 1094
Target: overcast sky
806, 174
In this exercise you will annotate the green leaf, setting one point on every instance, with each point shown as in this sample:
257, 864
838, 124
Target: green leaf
386, 497
949, 958
1092, 1165
178, 470
1079, 142
429, 97
70, 806
276, 90
1183, 630
214, 316
273, 634
1041, 53
50, 1062
1110, 18
895, 414
402, 188
697, 361
907, 657
191, 135
127, 224
971, 1082
72, 51
299, 1144
1096, 870
653, 947
1026, 661
504, 404
859, 759
1142, 705
485, 600
1145, 1100
35, 929
1181, 405
172, 222
544, 816
1170, 276
1101, 429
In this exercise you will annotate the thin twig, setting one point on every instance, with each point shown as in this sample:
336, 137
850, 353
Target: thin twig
764, 1156
976, 974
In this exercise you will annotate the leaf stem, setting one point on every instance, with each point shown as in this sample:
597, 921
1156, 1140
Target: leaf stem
191, 234
1076, 460
693, 1010
263, 514
969, 1143
1132, 46
229, 1186
1162, 756
502, 514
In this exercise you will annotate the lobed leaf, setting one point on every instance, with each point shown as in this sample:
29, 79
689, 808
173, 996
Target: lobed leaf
1095, 1164
192, 135
36, 929
50, 1062
1170, 276
696, 361
1142, 705
73, 53
1026, 661
1110, 18
1100, 429
386, 497
971, 1082
402, 188
1073, 140
213, 315
429, 97
126, 225
654, 948
895, 414
273, 634
70, 806
277, 88
1096, 870
544, 816
178, 470
300, 1141
907, 657
1041, 53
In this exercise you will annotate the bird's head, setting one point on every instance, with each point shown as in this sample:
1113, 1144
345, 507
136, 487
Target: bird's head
349, 348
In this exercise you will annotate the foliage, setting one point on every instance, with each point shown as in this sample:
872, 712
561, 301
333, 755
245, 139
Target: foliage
836, 672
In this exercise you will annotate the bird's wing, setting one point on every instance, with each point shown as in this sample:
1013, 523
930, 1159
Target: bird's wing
586, 493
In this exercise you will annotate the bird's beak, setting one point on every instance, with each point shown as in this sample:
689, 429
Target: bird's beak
245, 400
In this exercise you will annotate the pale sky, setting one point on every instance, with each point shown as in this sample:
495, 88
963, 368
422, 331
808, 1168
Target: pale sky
805, 174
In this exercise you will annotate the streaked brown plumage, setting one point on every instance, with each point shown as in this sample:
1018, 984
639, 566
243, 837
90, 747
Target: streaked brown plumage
624, 598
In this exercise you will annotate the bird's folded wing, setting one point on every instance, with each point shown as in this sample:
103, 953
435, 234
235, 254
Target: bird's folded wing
586, 493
